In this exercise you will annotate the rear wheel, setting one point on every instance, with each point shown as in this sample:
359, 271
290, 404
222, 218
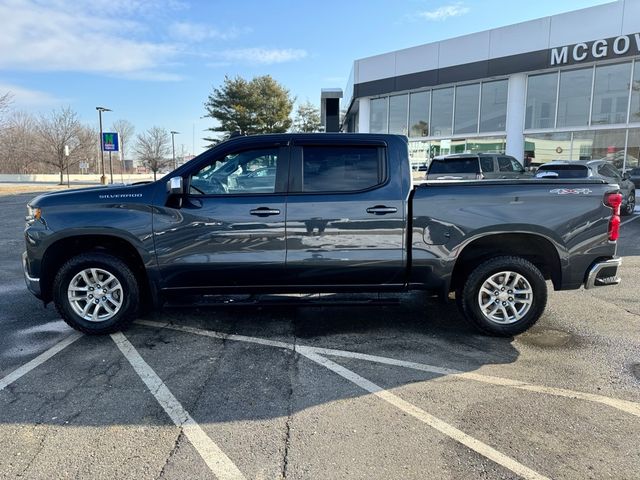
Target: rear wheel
630, 204
96, 293
504, 296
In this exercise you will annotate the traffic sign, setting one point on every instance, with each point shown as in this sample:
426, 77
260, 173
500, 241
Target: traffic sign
110, 142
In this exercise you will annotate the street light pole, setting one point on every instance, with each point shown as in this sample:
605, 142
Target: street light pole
103, 177
173, 148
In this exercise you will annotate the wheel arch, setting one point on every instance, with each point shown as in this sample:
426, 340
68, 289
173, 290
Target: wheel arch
530, 246
63, 249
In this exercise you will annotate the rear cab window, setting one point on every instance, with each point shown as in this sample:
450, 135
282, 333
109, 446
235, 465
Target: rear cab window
454, 165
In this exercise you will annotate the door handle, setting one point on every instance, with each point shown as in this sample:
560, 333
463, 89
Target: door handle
381, 210
264, 211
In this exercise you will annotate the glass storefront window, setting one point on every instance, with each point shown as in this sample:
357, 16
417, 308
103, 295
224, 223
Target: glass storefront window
574, 97
493, 108
611, 94
633, 149
398, 114
466, 109
600, 144
419, 114
378, 115
546, 147
486, 144
442, 112
634, 115
541, 101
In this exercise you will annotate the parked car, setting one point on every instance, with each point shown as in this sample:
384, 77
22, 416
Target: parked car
475, 166
634, 176
593, 169
341, 215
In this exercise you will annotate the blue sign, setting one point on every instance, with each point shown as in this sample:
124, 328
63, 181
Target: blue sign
110, 142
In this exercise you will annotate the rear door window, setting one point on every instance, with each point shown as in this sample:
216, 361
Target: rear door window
508, 164
487, 164
342, 169
454, 165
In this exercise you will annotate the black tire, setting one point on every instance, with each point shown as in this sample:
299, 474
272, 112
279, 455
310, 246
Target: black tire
630, 204
470, 292
130, 297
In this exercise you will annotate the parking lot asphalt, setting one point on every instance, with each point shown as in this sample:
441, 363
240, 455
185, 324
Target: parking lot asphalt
404, 390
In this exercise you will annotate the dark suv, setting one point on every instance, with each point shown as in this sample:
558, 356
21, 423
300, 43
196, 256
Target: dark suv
593, 168
475, 166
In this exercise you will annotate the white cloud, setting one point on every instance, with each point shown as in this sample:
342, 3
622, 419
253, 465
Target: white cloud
197, 32
263, 56
25, 98
444, 12
63, 36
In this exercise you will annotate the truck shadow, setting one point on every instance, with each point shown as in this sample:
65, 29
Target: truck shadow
223, 380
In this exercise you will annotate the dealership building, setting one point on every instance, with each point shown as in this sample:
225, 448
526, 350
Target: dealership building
560, 87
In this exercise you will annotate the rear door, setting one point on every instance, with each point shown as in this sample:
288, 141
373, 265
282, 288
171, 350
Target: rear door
488, 167
345, 218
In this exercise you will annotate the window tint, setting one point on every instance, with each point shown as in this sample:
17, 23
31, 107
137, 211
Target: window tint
505, 165
566, 171
247, 172
493, 110
466, 109
454, 165
419, 104
611, 94
378, 115
607, 170
487, 164
341, 169
541, 100
575, 96
398, 105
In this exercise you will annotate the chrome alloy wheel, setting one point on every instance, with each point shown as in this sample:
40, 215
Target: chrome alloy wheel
95, 294
505, 297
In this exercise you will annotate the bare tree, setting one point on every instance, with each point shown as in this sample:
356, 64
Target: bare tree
153, 149
59, 129
18, 145
125, 131
5, 103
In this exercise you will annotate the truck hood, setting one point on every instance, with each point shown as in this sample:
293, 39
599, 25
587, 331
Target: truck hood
106, 193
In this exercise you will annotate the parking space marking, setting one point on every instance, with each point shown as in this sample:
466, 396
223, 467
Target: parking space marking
630, 220
39, 360
416, 412
217, 461
626, 406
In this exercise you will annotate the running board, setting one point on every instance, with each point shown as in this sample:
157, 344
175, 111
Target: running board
278, 300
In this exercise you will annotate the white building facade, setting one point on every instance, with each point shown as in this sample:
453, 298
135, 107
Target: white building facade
559, 87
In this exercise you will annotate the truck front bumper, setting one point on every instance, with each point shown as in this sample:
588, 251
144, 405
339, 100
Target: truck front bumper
33, 284
603, 273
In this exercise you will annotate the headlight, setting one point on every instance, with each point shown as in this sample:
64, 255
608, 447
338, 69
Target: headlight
33, 213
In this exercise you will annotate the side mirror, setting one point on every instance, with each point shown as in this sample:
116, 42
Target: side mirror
175, 186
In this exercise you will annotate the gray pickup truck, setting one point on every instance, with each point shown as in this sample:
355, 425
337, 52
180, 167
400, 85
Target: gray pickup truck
319, 213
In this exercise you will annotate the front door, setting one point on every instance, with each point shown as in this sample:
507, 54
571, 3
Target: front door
230, 229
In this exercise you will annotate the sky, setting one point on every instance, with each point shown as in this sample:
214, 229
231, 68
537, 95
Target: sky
155, 62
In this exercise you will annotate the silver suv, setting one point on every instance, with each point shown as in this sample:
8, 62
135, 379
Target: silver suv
475, 166
589, 169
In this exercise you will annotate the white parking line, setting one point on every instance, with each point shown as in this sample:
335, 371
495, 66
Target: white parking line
630, 220
39, 360
626, 406
219, 464
416, 412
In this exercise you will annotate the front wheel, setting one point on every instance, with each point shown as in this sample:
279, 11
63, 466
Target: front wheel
96, 293
504, 296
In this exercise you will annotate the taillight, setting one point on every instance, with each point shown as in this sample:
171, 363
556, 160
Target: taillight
614, 200
614, 228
